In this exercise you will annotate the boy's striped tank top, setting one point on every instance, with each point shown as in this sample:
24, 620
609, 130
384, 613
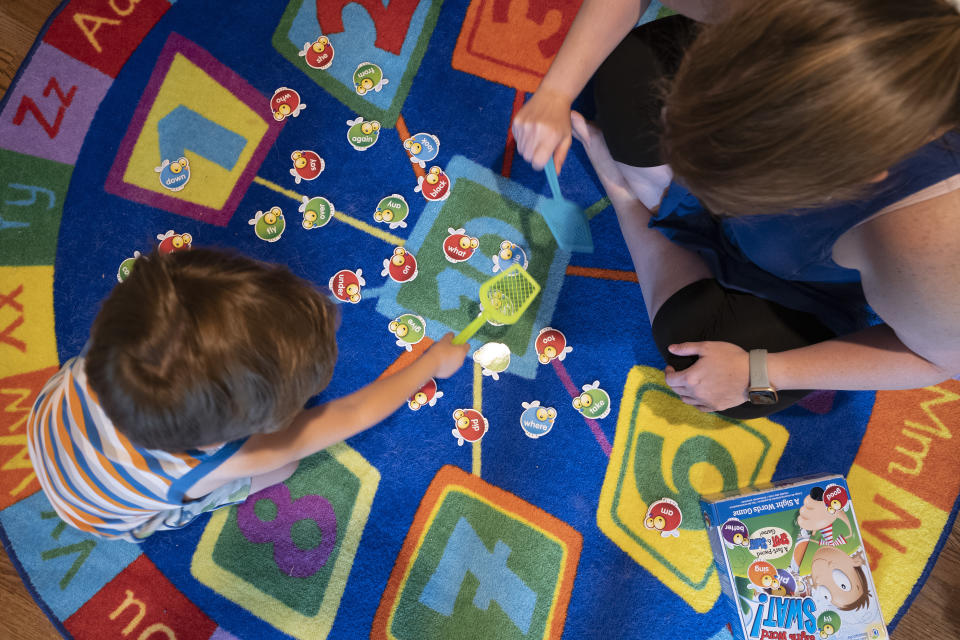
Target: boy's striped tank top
96, 479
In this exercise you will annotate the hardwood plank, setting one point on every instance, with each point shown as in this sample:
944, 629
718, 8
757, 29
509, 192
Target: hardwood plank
20, 22
21, 618
934, 613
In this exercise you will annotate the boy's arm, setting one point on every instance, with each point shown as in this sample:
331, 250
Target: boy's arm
321, 426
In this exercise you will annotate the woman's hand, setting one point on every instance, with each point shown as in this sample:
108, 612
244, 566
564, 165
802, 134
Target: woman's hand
718, 380
542, 128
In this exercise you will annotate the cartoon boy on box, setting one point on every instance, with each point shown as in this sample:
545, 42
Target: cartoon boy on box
835, 577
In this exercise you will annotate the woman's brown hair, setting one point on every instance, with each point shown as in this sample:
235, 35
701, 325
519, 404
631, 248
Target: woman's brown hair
790, 105
204, 346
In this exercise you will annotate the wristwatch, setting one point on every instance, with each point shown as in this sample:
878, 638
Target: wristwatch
760, 390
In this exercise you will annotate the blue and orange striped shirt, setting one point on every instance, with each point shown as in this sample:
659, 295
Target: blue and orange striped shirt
96, 479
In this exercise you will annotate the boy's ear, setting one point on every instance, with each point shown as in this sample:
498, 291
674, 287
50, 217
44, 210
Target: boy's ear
858, 558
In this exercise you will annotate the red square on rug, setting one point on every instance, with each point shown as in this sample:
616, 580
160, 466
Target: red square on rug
103, 33
140, 603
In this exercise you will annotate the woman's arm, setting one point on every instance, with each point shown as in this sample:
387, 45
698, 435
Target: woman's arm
909, 264
699, 10
910, 273
599, 27
874, 358
542, 126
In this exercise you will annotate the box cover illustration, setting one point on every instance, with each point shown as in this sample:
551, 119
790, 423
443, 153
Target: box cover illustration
791, 562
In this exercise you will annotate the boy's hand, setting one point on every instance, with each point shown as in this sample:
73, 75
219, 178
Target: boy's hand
447, 357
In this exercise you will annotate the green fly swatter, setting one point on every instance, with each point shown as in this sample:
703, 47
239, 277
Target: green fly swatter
503, 299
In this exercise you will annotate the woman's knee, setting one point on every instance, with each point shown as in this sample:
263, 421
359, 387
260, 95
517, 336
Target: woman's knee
689, 315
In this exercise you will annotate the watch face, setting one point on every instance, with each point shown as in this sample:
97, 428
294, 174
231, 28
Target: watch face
762, 396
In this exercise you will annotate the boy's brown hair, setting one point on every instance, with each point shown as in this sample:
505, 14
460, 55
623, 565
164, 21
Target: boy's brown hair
864, 599
791, 105
204, 346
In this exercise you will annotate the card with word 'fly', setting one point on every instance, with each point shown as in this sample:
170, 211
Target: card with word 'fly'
792, 562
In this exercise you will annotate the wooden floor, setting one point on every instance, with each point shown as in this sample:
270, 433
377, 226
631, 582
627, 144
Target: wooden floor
934, 613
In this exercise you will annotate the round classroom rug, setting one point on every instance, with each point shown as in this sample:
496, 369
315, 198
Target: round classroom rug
281, 129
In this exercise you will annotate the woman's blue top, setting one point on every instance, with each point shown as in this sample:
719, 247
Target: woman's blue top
787, 257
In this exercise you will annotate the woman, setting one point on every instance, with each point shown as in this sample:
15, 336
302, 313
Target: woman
815, 207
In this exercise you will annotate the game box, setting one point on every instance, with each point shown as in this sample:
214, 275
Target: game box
792, 563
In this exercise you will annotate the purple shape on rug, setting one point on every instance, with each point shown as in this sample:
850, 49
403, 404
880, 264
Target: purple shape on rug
226, 77
56, 96
222, 634
290, 559
819, 402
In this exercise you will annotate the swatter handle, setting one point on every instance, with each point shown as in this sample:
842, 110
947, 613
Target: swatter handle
472, 328
551, 171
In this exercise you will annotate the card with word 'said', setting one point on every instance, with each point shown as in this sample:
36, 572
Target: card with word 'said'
792, 562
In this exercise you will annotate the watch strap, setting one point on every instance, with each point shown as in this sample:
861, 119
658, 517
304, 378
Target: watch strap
758, 369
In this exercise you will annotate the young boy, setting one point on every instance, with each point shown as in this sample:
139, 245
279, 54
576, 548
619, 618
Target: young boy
189, 395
